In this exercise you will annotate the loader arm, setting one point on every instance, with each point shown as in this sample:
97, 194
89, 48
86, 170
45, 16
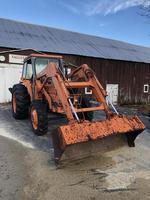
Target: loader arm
87, 73
62, 85
52, 73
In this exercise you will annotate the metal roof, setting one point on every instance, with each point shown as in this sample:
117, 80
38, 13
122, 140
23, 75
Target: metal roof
14, 34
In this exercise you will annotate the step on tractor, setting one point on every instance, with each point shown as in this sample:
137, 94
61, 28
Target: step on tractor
48, 84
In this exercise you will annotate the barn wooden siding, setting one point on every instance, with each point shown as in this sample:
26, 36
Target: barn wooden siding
131, 76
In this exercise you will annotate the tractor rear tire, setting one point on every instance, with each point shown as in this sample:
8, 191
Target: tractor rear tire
39, 117
20, 102
86, 115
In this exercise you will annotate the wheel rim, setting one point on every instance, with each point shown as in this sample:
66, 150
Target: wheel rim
34, 118
14, 103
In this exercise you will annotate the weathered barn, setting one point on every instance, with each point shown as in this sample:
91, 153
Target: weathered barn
122, 68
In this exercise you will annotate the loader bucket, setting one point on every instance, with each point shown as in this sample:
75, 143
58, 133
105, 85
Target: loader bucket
71, 140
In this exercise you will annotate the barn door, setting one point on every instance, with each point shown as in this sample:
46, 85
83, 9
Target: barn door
10, 74
112, 90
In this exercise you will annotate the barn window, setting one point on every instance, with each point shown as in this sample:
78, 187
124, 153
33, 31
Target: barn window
88, 90
146, 88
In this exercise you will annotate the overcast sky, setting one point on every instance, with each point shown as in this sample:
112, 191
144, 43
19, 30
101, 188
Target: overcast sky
116, 19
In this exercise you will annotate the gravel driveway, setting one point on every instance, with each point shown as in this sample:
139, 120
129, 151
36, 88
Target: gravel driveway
27, 170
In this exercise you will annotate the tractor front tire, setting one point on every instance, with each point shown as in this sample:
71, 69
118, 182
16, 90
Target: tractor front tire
20, 102
39, 117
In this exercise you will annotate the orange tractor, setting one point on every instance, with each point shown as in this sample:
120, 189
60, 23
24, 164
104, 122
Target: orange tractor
47, 86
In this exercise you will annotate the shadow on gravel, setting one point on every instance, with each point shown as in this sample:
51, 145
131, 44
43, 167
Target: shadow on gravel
20, 130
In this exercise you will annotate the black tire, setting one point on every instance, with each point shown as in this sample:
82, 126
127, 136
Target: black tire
40, 109
20, 102
86, 115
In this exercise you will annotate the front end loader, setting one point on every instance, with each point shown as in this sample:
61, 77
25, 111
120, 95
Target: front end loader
45, 85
